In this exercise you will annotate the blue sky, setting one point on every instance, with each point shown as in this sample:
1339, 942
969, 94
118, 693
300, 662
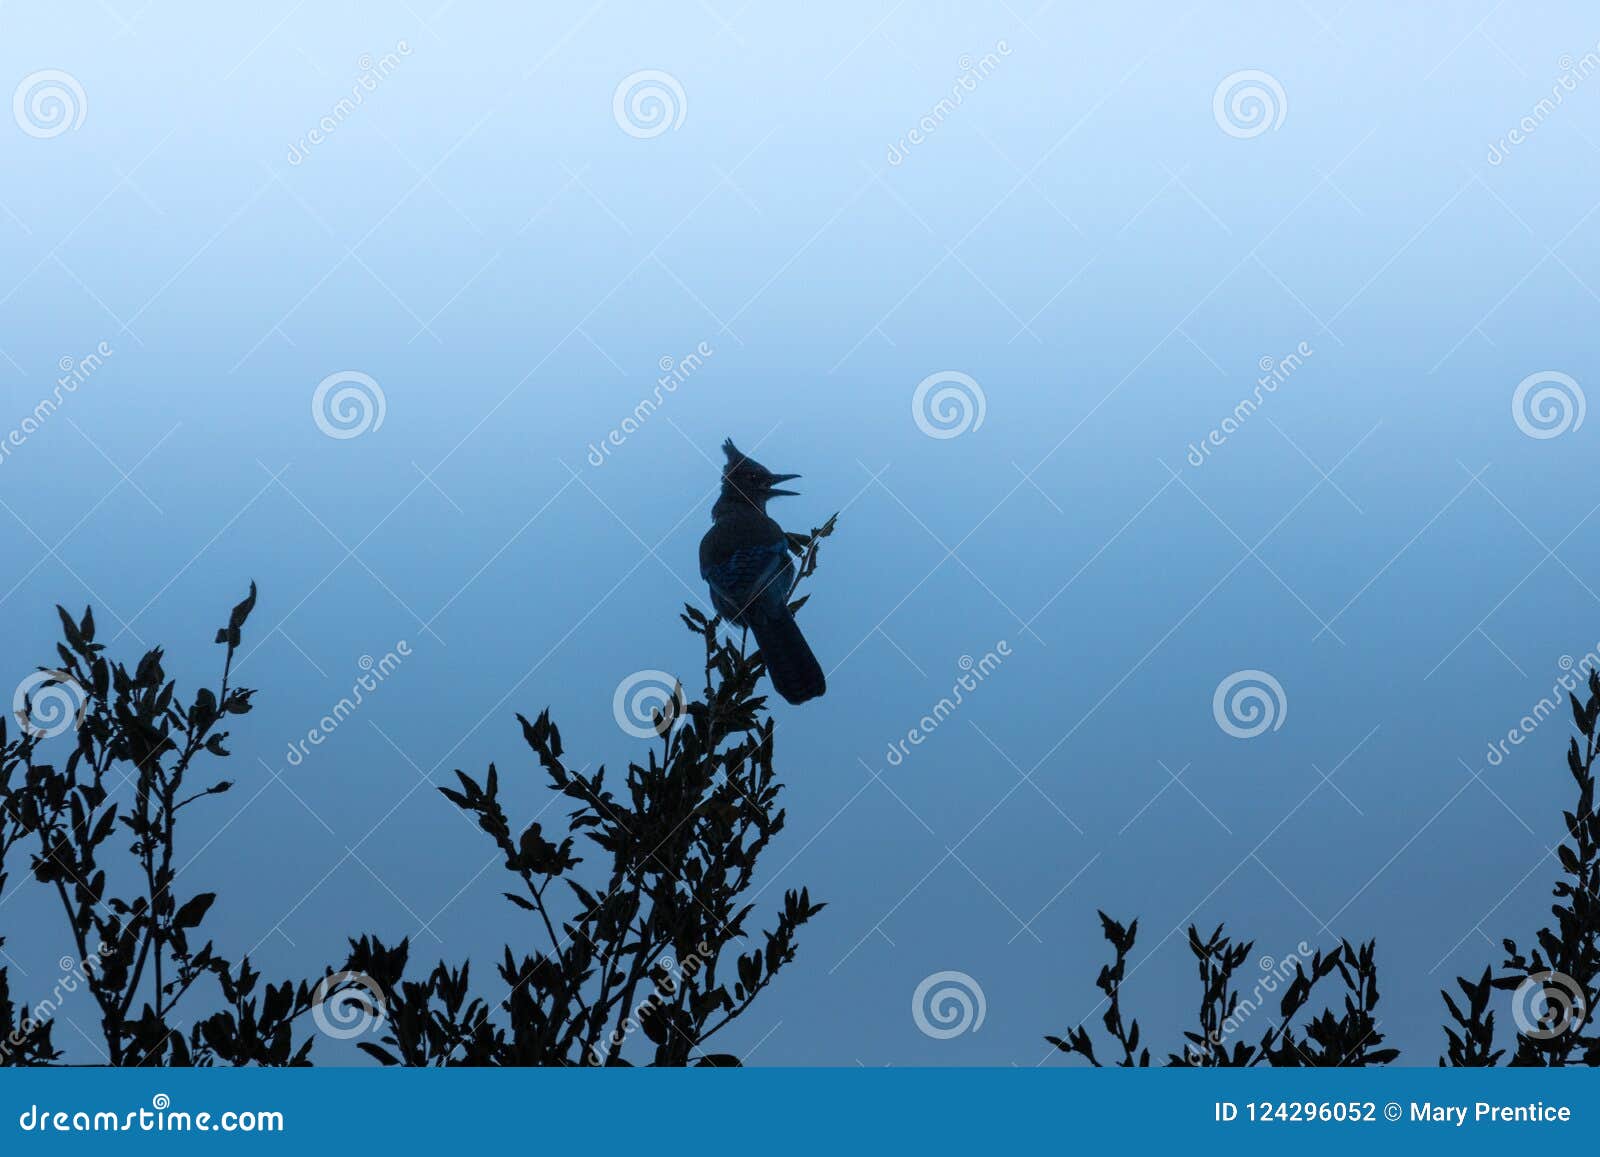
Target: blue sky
1110, 252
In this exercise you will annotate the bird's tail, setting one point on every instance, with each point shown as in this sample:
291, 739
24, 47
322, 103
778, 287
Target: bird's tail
796, 674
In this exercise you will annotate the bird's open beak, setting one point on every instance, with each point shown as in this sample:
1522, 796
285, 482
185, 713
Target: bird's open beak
773, 491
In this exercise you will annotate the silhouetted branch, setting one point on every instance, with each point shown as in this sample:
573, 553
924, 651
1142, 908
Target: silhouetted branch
1554, 985
135, 740
1350, 1039
644, 952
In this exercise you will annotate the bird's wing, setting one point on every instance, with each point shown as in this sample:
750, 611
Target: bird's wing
750, 579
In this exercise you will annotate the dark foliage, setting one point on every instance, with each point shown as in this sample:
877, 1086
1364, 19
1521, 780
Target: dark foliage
24, 1033
1554, 984
1326, 1040
640, 906
100, 831
645, 955
648, 953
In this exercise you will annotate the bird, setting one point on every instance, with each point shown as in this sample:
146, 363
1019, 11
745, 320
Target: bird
744, 559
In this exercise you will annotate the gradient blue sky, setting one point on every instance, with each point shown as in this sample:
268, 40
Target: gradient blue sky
1080, 236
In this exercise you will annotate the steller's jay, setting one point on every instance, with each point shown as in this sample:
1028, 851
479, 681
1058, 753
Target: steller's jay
744, 558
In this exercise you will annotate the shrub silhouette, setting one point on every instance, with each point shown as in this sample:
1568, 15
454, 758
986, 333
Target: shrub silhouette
654, 947
1555, 983
1326, 1041
136, 948
641, 906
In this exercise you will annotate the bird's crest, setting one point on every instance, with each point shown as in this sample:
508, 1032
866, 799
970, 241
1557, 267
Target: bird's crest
749, 477
739, 462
